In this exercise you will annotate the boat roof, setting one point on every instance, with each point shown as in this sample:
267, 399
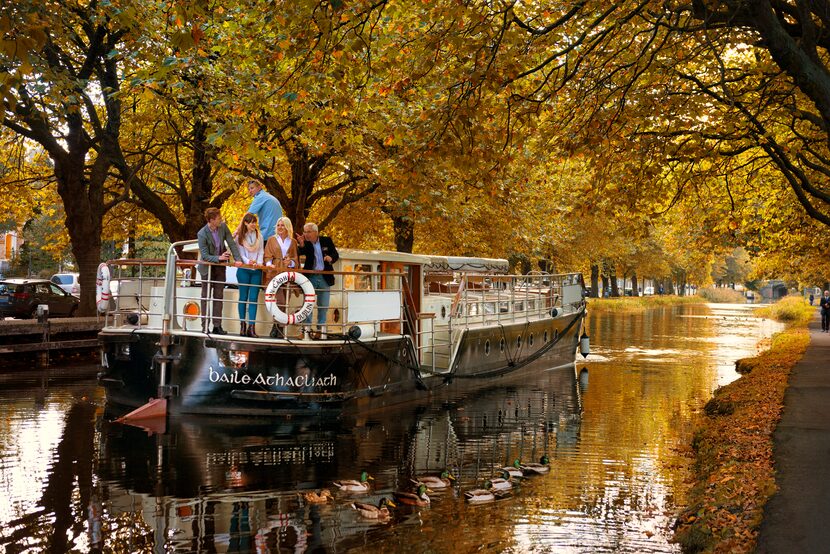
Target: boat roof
430, 262
382, 255
466, 263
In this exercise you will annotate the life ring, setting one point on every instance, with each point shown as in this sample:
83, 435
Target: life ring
309, 298
102, 288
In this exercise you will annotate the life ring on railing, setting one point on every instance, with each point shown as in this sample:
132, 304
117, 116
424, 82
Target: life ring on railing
102, 288
309, 298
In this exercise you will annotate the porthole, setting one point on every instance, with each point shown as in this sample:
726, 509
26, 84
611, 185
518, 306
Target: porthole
519, 341
555, 334
545, 338
443, 312
487, 347
501, 345
530, 340
336, 315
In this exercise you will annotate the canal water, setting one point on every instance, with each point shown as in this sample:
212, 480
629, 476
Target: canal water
613, 426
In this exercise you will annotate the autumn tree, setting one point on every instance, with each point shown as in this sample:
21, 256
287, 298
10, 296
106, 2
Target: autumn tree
59, 90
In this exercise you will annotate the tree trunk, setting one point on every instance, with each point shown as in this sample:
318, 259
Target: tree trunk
83, 205
404, 228
680, 278
604, 284
594, 281
634, 287
615, 288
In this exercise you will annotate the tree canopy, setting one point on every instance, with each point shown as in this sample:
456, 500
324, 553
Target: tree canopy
647, 138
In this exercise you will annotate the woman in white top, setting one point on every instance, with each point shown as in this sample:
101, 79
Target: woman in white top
281, 255
250, 280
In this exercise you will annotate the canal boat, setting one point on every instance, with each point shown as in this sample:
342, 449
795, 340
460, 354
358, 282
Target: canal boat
398, 325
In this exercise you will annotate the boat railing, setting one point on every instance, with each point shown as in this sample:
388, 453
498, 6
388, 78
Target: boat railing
508, 299
145, 292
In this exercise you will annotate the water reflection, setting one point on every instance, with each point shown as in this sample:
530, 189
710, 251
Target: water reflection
228, 486
611, 427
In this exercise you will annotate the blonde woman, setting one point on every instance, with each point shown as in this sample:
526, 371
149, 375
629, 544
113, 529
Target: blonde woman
250, 280
281, 255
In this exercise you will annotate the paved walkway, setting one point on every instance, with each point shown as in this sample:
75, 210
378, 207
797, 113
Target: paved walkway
797, 517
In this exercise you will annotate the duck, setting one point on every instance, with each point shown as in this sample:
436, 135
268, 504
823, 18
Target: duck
436, 482
351, 485
515, 470
418, 498
379, 512
502, 483
480, 496
318, 497
537, 469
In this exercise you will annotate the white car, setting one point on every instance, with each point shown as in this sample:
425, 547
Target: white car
68, 282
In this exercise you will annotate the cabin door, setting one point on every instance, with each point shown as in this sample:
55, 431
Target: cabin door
410, 289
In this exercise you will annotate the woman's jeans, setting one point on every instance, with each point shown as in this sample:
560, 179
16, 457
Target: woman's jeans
248, 294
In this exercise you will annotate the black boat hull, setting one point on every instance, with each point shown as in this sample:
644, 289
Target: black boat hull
238, 376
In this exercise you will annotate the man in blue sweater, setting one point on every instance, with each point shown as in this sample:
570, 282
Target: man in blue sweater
265, 207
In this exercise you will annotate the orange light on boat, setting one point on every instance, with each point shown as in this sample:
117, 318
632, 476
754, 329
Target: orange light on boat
191, 310
238, 358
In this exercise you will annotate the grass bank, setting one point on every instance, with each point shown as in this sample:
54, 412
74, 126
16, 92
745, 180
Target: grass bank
733, 469
722, 294
639, 303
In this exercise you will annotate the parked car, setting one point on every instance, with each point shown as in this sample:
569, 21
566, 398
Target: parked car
68, 282
20, 298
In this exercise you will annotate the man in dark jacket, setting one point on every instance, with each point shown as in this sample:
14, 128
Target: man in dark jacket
320, 253
825, 311
213, 238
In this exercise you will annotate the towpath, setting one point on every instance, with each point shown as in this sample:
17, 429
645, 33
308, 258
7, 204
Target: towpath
797, 517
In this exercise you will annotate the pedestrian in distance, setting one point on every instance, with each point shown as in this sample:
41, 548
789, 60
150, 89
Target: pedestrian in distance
812, 299
213, 239
265, 207
249, 238
320, 253
825, 311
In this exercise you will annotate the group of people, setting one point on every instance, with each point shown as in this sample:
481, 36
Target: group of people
262, 244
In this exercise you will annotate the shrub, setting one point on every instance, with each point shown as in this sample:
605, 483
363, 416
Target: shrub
790, 309
722, 295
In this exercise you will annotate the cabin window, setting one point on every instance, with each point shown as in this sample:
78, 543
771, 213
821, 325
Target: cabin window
519, 306
359, 282
519, 341
487, 347
530, 341
504, 307
501, 345
489, 308
545, 338
555, 334
392, 282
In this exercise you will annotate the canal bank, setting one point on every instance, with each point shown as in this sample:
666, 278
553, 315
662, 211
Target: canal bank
795, 518
734, 473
